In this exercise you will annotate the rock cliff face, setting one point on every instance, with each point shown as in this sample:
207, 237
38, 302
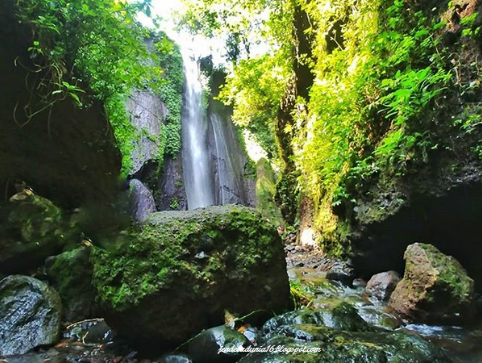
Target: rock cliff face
65, 153
440, 205
234, 182
148, 114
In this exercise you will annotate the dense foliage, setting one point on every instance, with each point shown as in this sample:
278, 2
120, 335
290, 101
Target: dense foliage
170, 91
381, 74
96, 49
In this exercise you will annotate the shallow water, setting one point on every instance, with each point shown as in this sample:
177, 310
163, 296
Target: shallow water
464, 344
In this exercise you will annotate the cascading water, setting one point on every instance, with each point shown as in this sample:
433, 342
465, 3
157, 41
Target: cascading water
198, 181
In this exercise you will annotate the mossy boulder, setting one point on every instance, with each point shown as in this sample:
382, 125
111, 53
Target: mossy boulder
31, 229
71, 275
434, 289
336, 346
162, 282
340, 317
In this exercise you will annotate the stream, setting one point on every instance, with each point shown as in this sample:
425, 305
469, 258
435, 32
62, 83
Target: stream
93, 341
464, 344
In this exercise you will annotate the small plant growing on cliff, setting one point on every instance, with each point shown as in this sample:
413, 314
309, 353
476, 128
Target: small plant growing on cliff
174, 203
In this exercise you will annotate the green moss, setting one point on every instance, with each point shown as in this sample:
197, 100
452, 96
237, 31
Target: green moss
200, 247
265, 192
451, 275
170, 91
346, 346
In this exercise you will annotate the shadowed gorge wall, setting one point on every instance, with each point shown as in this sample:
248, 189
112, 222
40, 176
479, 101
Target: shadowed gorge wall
64, 153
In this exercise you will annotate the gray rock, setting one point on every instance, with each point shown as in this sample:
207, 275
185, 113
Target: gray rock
142, 202
341, 271
173, 194
381, 285
204, 348
30, 314
92, 332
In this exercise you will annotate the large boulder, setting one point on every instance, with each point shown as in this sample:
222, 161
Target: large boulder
29, 315
162, 282
435, 287
31, 229
71, 275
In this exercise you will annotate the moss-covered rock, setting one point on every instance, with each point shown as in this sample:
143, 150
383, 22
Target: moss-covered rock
341, 346
265, 192
435, 287
71, 275
31, 229
164, 281
340, 317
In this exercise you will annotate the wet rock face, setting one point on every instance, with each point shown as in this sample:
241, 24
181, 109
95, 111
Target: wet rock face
166, 280
340, 317
342, 346
381, 285
31, 229
438, 206
92, 332
205, 347
29, 315
173, 194
435, 288
341, 271
71, 275
147, 114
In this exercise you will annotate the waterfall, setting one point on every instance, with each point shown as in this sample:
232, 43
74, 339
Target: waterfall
198, 180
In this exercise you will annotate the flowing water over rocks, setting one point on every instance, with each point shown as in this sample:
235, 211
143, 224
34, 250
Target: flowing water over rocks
345, 322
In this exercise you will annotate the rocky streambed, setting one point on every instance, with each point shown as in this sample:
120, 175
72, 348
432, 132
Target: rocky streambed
344, 322
182, 285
